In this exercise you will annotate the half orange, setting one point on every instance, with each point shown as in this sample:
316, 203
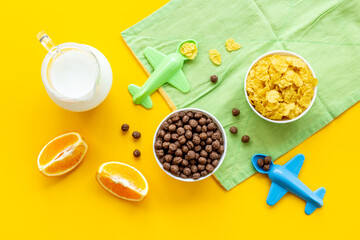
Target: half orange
122, 180
62, 154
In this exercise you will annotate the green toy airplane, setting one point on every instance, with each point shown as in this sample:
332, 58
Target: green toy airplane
167, 70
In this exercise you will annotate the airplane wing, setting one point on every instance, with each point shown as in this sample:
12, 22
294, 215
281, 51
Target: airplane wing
146, 102
275, 194
180, 82
295, 164
153, 56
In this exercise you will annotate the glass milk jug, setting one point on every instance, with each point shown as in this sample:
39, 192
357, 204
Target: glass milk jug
77, 77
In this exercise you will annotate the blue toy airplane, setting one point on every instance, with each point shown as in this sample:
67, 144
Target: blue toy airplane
285, 179
167, 70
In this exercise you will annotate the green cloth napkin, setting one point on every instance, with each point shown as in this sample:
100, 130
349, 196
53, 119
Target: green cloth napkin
325, 33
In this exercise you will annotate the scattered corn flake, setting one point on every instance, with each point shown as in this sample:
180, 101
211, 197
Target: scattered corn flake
280, 87
189, 50
215, 56
231, 45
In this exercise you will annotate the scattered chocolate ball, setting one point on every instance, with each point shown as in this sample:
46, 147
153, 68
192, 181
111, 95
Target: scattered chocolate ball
235, 112
233, 130
137, 153
125, 127
266, 167
260, 162
213, 78
136, 134
245, 139
267, 160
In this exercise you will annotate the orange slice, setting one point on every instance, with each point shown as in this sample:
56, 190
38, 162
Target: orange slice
62, 154
122, 180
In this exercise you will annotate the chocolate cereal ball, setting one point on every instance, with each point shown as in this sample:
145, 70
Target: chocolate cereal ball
260, 162
233, 130
245, 139
235, 112
136, 134
266, 167
137, 153
125, 127
213, 78
267, 159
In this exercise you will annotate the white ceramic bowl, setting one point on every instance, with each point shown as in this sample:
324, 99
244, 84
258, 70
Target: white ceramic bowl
219, 127
284, 53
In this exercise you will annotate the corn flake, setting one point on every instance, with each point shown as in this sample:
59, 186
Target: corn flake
231, 45
279, 63
215, 56
273, 96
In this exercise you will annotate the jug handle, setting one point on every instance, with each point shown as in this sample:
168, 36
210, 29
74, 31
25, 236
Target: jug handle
49, 45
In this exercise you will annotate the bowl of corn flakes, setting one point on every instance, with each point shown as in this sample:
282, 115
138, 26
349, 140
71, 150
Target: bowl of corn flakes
280, 86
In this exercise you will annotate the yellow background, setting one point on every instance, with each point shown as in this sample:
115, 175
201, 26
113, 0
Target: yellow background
74, 206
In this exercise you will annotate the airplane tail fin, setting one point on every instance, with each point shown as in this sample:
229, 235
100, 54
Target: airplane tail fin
310, 208
145, 102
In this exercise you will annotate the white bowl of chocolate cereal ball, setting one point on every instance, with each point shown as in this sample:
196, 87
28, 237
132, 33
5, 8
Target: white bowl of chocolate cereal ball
189, 144
280, 86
